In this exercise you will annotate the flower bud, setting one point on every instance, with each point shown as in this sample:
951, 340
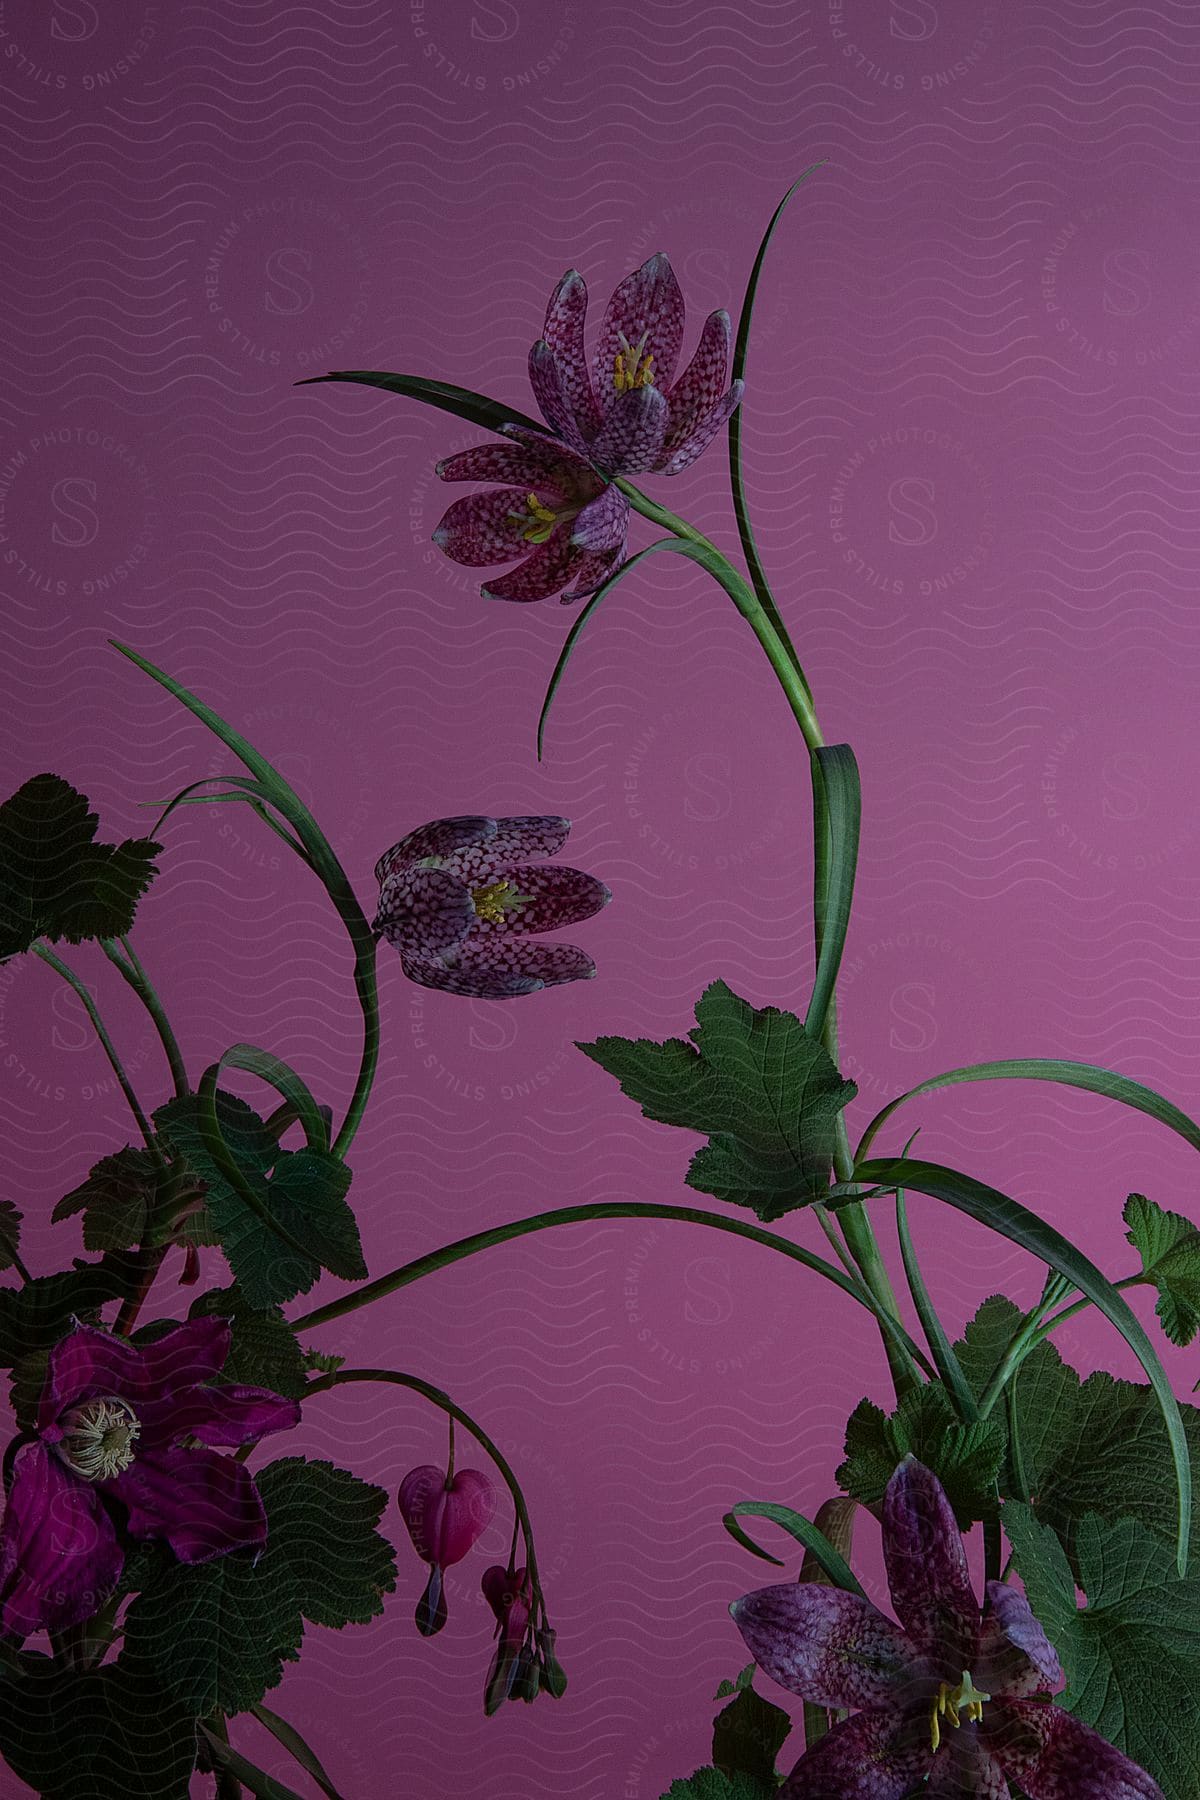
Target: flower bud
553, 1675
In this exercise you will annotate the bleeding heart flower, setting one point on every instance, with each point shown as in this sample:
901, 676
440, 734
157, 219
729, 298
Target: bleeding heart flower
514, 1671
445, 1518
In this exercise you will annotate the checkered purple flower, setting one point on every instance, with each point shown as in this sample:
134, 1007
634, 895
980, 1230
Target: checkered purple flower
951, 1702
461, 898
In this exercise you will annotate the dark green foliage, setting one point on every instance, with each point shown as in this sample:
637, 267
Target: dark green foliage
965, 1458
55, 881
108, 1735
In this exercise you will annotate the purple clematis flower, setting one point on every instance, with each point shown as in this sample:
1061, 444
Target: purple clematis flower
626, 414
950, 1694
112, 1422
444, 1518
460, 897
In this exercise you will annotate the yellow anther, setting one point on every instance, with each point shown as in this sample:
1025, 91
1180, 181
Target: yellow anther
632, 367
491, 902
955, 1703
539, 521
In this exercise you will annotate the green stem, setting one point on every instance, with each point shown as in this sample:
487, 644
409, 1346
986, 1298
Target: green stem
393, 1376
1046, 1326
110, 1050
134, 973
1022, 1341
853, 1219
442, 1258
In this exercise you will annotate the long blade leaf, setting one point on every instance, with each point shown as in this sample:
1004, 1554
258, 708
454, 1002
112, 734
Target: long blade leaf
836, 788
464, 403
803, 1530
948, 1365
295, 1745
1024, 1228
287, 1084
1084, 1076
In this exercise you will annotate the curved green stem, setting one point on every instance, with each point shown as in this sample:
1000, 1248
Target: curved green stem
442, 1258
393, 1376
1046, 1326
132, 971
110, 1050
1023, 1340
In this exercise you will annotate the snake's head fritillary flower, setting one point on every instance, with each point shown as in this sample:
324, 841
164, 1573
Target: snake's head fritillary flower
627, 412
445, 1518
461, 899
954, 1693
562, 519
513, 1674
139, 1426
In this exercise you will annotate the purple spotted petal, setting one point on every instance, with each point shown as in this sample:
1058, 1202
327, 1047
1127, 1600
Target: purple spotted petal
702, 382
646, 304
503, 967
487, 528
423, 912
466, 978
545, 572
873, 1756
927, 1568
217, 1416
1054, 1756
202, 1503
549, 390
564, 329
552, 896
965, 1769
88, 1362
592, 572
632, 434
573, 464
59, 1556
441, 837
603, 524
830, 1647
1015, 1657
445, 1522
532, 464
514, 840
702, 434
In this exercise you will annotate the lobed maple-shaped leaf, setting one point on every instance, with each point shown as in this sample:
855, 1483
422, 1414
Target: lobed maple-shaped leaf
1132, 1654
1169, 1246
965, 1458
748, 1735
55, 880
753, 1081
714, 1784
134, 1197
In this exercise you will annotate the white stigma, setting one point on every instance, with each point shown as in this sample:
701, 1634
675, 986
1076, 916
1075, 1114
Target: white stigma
98, 1438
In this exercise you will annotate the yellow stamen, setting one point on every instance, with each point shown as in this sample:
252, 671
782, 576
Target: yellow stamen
492, 902
632, 367
540, 522
954, 1704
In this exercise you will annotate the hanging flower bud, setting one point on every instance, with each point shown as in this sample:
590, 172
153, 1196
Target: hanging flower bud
553, 1675
445, 1517
509, 1593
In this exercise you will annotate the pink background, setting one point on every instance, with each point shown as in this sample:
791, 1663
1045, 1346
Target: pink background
971, 444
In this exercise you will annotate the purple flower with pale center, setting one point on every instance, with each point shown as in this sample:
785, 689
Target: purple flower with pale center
444, 1518
460, 898
621, 416
116, 1421
951, 1694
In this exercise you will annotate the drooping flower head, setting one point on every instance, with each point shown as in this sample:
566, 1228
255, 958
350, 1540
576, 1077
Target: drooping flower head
952, 1693
136, 1425
445, 1518
461, 897
514, 1670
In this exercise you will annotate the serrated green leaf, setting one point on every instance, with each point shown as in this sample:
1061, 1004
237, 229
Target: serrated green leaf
55, 881
712, 1784
1132, 1655
131, 1198
219, 1633
965, 1458
302, 1190
1169, 1246
748, 1735
764, 1092
10, 1233
35, 1316
100, 1736
264, 1351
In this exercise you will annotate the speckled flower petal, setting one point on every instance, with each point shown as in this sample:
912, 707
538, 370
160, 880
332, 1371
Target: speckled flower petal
1015, 1657
531, 463
487, 528
603, 524
441, 837
564, 329
702, 382
703, 434
927, 1568
574, 464
830, 1647
423, 911
545, 572
632, 434
592, 572
515, 839
546, 380
646, 304
1054, 1756
502, 967
59, 1556
965, 1769
553, 896
467, 979
872, 1756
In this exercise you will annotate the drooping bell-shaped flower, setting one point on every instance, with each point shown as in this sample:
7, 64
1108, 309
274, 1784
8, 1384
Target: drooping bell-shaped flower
139, 1426
461, 898
514, 1670
955, 1697
445, 1516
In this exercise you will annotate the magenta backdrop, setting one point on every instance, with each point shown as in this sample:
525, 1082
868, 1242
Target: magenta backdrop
971, 445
